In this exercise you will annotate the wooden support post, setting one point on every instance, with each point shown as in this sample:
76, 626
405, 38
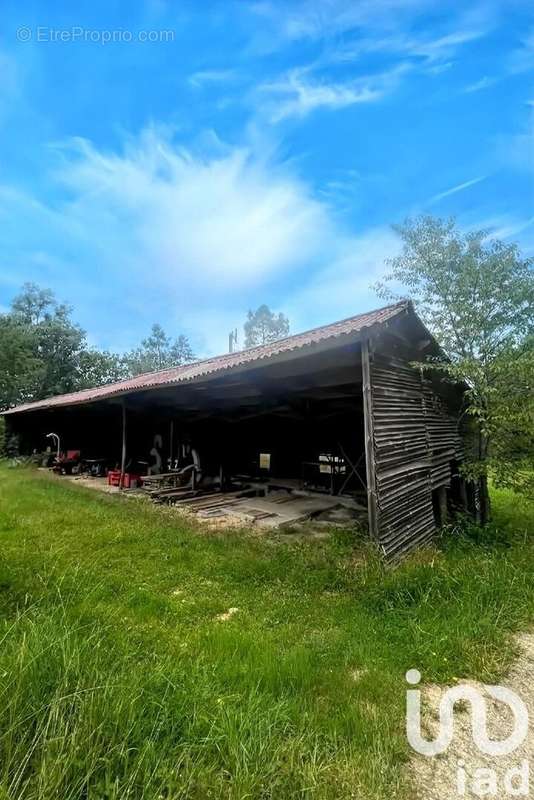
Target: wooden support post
123, 456
171, 444
372, 507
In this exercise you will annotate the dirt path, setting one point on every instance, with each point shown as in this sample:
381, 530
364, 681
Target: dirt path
436, 778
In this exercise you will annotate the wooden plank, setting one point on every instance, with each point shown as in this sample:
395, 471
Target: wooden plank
213, 498
171, 491
401, 456
162, 476
370, 465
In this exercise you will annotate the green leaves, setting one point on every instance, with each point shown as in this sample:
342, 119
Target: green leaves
19, 365
44, 353
158, 351
476, 295
263, 326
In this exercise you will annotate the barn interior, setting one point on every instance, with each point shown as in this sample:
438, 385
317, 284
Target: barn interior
291, 423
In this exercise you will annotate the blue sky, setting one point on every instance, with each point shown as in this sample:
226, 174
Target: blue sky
216, 155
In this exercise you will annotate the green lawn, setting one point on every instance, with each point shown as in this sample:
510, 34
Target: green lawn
117, 680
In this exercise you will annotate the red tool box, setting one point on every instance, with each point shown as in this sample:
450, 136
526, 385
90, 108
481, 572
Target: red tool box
129, 479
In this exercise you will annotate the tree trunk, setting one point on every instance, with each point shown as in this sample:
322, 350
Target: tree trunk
485, 503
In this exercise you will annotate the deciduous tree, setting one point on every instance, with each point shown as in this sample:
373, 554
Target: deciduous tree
98, 367
159, 351
49, 345
263, 326
476, 294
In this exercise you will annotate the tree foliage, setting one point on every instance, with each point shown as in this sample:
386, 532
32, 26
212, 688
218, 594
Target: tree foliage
159, 351
19, 366
263, 326
98, 367
476, 295
43, 352
40, 347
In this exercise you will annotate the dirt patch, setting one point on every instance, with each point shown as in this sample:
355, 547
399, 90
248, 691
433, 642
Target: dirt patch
358, 674
437, 777
226, 614
100, 484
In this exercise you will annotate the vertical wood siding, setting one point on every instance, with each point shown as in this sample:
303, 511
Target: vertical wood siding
415, 440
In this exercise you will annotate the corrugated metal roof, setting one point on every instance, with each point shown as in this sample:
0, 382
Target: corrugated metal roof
197, 369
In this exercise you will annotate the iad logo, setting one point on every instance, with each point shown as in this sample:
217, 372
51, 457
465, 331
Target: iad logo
486, 745
478, 719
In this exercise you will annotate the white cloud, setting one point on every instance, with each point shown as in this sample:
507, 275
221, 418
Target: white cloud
296, 95
440, 68
517, 229
349, 31
506, 226
210, 76
302, 97
385, 25
445, 46
522, 58
188, 238
212, 221
156, 232
455, 189
483, 83
317, 19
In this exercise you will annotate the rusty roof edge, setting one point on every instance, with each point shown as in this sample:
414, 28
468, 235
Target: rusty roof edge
242, 357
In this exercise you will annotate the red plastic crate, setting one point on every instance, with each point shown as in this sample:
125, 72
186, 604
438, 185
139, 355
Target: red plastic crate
114, 477
129, 480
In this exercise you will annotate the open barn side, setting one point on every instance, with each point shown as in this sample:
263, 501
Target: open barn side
341, 411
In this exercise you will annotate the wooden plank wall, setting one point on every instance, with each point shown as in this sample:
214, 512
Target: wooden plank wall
415, 440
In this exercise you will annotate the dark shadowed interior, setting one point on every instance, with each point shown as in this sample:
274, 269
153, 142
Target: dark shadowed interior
295, 409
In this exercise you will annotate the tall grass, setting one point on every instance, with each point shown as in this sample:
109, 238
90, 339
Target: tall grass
82, 716
119, 680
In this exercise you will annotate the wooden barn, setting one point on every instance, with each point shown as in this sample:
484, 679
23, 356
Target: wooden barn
337, 411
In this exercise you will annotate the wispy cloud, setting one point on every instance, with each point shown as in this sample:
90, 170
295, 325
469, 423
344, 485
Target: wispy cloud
317, 19
483, 83
297, 97
506, 226
211, 76
220, 218
432, 53
190, 236
522, 58
461, 187
347, 33
298, 93
377, 24
197, 232
436, 49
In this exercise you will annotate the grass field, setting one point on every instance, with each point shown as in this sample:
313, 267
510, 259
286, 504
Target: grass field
118, 679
